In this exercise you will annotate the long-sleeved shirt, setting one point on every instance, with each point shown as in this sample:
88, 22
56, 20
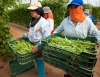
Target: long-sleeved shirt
51, 22
80, 30
39, 31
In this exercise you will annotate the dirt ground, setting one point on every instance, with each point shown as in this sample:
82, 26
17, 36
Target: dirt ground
49, 70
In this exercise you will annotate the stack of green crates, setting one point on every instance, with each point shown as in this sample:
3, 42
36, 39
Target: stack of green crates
83, 63
24, 58
23, 62
15, 68
72, 69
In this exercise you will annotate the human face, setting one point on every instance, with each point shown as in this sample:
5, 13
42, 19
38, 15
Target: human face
33, 14
77, 14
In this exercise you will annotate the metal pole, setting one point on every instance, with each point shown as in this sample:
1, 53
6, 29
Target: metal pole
30, 1
87, 1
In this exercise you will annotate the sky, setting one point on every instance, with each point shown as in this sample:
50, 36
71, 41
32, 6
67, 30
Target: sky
93, 2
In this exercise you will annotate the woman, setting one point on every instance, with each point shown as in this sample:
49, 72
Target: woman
39, 28
77, 24
48, 15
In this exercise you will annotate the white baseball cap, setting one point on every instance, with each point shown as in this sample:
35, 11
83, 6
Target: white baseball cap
34, 5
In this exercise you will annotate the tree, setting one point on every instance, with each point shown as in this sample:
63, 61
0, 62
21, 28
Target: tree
5, 35
88, 6
59, 9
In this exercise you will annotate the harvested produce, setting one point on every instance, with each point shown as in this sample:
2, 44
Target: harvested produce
22, 46
76, 46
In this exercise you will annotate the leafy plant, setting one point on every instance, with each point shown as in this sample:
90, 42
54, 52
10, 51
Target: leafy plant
21, 15
58, 8
96, 12
5, 35
88, 6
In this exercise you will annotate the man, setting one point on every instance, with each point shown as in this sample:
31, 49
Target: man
77, 24
88, 13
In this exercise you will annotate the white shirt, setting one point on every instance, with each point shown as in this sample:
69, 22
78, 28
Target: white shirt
51, 22
39, 31
81, 30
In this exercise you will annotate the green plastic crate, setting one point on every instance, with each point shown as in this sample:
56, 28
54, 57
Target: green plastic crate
81, 60
75, 71
15, 68
84, 59
23, 58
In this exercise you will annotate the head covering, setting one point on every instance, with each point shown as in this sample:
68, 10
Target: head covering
87, 11
40, 11
76, 2
77, 14
34, 5
46, 9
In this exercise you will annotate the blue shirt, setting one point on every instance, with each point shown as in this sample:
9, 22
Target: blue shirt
92, 18
81, 30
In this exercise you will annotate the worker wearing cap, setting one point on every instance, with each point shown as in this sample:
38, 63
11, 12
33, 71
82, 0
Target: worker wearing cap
88, 13
39, 28
77, 24
48, 15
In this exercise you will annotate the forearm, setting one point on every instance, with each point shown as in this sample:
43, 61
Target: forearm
59, 29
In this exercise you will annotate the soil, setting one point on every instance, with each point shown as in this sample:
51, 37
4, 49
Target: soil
49, 70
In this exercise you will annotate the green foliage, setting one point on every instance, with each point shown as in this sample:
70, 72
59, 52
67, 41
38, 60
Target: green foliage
22, 16
96, 12
88, 6
59, 10
5, 35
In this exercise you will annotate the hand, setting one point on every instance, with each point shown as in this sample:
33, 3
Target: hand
24, 36
35, 49
98, 53
39, 44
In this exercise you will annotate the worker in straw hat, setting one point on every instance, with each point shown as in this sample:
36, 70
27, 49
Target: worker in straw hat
39, 28
77, 25
48, 15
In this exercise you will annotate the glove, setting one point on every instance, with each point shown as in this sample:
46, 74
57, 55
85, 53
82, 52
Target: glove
40, 45
24, 36
37, 47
